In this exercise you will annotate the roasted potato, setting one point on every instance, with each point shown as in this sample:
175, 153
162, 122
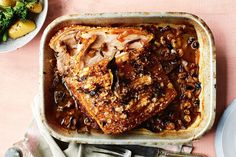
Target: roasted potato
36, 7
7, 3
21, 28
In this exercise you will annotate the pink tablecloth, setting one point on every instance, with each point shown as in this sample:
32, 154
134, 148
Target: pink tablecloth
19, 70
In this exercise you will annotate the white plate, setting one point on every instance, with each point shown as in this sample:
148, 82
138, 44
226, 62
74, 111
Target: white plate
12, 45
225, 142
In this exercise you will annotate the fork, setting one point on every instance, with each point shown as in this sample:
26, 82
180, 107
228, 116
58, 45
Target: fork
110, 150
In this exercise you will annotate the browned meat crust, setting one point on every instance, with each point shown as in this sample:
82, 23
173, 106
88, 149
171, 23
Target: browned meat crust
143, 91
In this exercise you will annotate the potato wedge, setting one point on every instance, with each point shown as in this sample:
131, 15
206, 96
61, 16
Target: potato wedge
36, 7
21, 28
7, 3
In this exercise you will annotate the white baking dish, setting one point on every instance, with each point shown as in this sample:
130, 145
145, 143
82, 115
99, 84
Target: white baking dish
142, 137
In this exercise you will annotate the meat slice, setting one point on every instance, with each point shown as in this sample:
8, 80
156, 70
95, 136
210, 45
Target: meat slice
79, 46
121, 98
112, 74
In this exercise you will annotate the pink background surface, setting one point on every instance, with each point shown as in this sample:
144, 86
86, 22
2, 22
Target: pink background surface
19, 70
